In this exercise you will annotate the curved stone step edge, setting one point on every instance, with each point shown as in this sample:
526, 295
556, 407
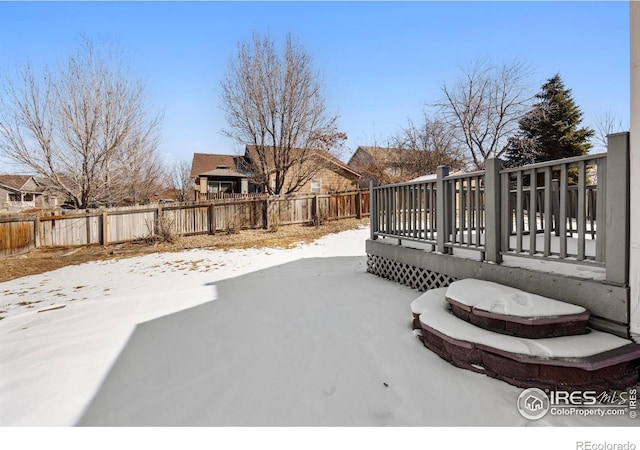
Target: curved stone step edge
595, 362
433, 302
532, 328
509, 303
544, 320
527, 375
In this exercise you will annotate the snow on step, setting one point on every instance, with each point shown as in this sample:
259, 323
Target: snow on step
498, 299
433, 310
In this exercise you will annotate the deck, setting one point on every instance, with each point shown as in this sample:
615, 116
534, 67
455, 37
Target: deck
559, 229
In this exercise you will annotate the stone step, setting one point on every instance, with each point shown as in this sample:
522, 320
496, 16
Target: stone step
514, 312
594, 361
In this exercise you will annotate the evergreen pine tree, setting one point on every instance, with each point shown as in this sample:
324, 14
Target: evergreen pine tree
550, 129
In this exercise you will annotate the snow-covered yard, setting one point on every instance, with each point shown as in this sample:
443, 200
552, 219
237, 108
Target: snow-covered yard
266, 337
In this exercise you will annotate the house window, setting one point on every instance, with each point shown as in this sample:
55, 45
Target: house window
316, 186
219, 187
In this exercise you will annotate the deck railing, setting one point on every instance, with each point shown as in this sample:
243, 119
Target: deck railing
573, 210
552, 209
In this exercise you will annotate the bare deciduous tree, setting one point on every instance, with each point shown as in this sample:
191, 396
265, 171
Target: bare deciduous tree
484, 106
432, 143
274, 103
85, 127
181, 181
606, 124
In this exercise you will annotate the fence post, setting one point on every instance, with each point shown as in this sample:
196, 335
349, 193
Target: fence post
373, 210
266, 213
36, 231
314, 209
441, 208
156, 230
105, 228
493, 210
212, 218
358, 205
617, 209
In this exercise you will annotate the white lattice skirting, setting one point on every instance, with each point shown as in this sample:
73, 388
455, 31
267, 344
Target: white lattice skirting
414, 277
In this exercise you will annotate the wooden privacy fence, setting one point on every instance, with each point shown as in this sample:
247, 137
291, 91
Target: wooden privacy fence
22, 232
17, 233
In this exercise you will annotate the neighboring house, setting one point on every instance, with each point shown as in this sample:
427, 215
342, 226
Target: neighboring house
215, 174
164, 195
320, 172
395, 165
52, 197
18, 192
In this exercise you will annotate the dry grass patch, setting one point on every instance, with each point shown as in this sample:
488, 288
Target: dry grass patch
46, 259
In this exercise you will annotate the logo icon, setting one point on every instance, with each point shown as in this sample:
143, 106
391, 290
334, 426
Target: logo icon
533, 403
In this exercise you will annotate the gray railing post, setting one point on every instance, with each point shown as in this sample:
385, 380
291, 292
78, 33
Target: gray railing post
441, 208
493, 210
373, 210
617, 208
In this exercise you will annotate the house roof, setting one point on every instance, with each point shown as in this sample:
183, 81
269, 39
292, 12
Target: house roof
206, 162
383, 155
223, 172
16, 182
251, 150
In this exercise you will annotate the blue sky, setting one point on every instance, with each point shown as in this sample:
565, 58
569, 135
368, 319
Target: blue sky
381, 62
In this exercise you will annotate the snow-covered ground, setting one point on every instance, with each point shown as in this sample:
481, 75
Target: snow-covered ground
259, 337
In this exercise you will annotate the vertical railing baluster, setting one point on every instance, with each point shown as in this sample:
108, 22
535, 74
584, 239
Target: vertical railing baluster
591, 210
423, 216
398, 209
507, 214
462, 210
601, 195
392, 211
406, 219
478, 215
581, 217
432, 211
519, 212
410, 210
469, 213
562, 219
547, 211
416, 208
533, 228
454, 205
